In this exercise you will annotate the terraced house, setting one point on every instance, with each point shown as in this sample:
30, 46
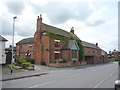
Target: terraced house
56, 47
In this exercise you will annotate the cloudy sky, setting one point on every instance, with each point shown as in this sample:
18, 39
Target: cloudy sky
93, 21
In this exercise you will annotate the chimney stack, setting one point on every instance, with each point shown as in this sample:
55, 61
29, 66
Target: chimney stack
97, 44
39, 23
72, 30
41, 16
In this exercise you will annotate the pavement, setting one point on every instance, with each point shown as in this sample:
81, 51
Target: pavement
39, 70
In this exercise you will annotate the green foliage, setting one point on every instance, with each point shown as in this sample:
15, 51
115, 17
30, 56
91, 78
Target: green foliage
59, 37
30, 60
20, 60
111, 57
119, 62
43, 63
26, 64
61, 60
81, 51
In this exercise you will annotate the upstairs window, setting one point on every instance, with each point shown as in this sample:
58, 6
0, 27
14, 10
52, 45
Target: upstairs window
30, 45
57, 43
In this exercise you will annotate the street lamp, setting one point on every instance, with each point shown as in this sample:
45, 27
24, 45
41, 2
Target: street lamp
13, 42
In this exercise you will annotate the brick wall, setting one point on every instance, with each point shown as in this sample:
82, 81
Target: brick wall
94, 56
25, 49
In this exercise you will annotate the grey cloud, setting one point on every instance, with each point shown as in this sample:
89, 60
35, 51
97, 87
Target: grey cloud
58, 12
24, 30
15, 7
36, 8
96, 22
6, 27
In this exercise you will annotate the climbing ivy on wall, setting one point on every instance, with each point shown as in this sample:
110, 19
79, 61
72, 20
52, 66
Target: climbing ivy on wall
59, 37
81, 51
79, 42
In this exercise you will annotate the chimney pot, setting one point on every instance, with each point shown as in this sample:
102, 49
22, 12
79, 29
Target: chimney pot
97, 44
38, 17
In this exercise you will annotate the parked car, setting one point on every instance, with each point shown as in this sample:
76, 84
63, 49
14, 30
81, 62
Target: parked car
117, 85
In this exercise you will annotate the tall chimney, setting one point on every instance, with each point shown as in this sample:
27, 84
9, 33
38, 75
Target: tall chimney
39, 23
97, 44
72, 30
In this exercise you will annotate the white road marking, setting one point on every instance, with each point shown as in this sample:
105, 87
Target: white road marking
42, 84
34, 86
104, 80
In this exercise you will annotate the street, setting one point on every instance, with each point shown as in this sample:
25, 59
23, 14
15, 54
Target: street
99, 76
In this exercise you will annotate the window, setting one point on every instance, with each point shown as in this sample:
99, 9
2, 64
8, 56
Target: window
57, 56
93, 51
57, 43
88, 51
30, 45
74, 53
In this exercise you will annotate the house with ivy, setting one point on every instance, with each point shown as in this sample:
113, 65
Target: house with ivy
53, 46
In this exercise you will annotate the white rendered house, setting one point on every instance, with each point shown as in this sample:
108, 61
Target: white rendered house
2, 50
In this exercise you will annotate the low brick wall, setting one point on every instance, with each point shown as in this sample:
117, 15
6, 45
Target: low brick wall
83, 62
67, 64
59, 64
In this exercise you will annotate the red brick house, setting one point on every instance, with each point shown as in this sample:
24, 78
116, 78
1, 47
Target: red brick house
115, 54
94, 54
51, 44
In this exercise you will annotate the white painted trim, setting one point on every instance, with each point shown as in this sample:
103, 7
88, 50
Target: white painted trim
56, 52
57, 40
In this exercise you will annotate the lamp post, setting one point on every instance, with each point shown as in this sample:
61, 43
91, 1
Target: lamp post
13, 42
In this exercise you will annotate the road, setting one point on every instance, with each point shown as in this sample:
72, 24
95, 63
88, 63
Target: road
99, 76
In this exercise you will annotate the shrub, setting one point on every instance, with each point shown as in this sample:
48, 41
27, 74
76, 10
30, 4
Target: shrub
30, 60
20, 60
25, 64
43, 63
64, 61
61, 60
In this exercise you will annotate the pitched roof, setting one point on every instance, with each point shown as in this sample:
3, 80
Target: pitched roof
26, 40
68, 44
89, 45
59, 31
2, 38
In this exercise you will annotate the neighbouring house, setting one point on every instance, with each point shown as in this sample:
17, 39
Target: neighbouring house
53, 45
2, 50
8, 52
115, 54
94, 54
